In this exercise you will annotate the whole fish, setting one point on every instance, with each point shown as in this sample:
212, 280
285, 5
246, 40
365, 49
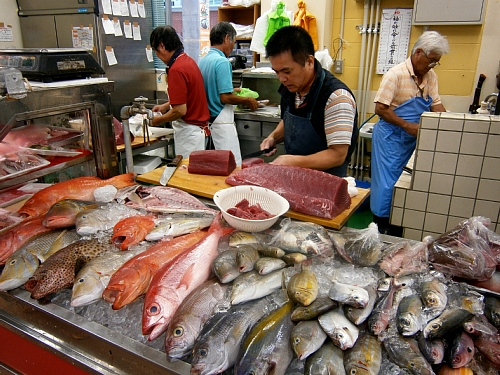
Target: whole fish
131, 230
267, 265
448, 321
401, 259
480, 327
434, 295
294, 258
225, 266
18, 235
187, 322
272, 251
461, 350
94, 276
246, 257
216, 349
21, 265
165, 199
94, 220
303, 287
168, 228
307, 337
315, 309
342, 332
245, 238
365, 357
132, 279
432, 350
351, 295
409, 318
327, 360
250, 286
76, 188
492, 310
174, 281
363, 248
359, 315
382, 312
404, 352
490, 350
59, 270
62, 214
266, 349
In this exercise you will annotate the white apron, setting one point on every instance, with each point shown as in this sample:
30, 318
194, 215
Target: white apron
187, 138
224, 134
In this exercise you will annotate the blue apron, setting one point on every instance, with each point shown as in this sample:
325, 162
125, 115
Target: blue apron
300, 137
392, 147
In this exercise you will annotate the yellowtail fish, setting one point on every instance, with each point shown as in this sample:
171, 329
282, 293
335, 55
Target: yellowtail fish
448, 321
360, 315
307, 337
225, 266
272, 251
251, 285
246, 257
267, 265
315, 309
303, 287
167, 228
365, 357
404, 352
327, 360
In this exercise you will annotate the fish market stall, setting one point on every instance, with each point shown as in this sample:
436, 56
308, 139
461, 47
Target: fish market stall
351, 293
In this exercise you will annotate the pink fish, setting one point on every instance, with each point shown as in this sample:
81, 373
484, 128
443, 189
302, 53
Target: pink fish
173, 282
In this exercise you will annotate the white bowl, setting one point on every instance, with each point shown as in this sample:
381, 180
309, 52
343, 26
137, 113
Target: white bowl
270, 201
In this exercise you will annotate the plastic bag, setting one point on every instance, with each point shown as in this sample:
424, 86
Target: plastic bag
401, 258
247, 93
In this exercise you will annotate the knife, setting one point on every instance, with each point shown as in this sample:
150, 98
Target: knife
258, 153
170, 169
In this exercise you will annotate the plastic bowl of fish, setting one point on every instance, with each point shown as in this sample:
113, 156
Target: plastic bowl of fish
268, 200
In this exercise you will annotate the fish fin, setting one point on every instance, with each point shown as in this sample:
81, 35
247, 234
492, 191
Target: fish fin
56, 245
186, 278
80, 262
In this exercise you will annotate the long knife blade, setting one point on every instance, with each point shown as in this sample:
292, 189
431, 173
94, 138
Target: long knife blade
170, 169
258, 153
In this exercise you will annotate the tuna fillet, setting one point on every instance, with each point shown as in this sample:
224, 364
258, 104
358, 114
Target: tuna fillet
308, 191
212, 162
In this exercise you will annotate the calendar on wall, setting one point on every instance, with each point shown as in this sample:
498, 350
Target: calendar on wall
394, 38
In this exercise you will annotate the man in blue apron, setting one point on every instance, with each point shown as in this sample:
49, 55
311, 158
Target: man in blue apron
218, 79
318, 111
407, 90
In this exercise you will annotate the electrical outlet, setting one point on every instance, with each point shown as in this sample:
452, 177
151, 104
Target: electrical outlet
338, 66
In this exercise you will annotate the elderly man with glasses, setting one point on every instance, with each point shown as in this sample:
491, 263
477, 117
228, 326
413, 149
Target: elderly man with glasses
407, 90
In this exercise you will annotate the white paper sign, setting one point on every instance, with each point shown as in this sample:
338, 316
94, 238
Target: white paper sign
110, 55
141, 9
107, 25
124, 7
136, 29
117, 27
127, 29
133, 8
6, 34
149, 53
106, 6
116, 8
83, 37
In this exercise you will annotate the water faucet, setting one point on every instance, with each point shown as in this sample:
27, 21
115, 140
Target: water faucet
159, 77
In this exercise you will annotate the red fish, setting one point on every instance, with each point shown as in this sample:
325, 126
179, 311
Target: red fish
132, 230
174, 281
76, 188
17, 236
491, 350
63, 213
132, 279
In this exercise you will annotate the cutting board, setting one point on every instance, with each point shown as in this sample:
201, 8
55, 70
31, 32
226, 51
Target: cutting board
207, 186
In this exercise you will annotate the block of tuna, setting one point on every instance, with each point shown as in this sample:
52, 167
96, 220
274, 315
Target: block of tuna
308, 191
212, 162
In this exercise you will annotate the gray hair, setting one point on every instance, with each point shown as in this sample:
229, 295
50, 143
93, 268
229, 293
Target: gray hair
219, 32
432, 41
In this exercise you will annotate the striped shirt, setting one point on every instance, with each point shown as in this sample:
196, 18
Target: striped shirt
399, 85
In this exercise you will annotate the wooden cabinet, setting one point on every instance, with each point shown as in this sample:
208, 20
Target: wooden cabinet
242, 16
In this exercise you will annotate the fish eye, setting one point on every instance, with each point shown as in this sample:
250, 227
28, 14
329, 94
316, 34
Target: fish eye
412, 364
435, 326
353, 371
12, 262
340, 336
296, 340
178, 331
203, 352
154, 309
81, 280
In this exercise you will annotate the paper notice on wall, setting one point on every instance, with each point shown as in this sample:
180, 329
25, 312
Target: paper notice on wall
127, 29
83, 37
124, 7
117, 27
106, 7
107, 25
136, 31
149, 53
133, 8
394, 38
110, 55
115, 5
141, 8
6, 33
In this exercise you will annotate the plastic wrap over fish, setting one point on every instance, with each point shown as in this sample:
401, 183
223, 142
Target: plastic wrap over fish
464, 252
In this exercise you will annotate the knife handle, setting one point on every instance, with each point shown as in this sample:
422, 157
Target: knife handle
175, 162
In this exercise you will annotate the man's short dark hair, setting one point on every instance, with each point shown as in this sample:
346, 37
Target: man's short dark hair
166, 35
219, 32
293, 39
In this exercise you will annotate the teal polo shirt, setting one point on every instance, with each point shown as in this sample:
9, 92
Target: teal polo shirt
217, 75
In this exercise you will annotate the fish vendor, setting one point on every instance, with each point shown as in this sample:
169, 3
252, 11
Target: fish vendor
318, 111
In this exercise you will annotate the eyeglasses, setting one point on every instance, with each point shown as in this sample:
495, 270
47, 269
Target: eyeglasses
432, 64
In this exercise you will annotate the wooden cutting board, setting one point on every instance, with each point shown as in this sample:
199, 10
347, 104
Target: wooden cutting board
207, 186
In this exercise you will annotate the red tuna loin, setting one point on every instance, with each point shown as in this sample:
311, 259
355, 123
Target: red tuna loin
308, 191
251, 162
212, 162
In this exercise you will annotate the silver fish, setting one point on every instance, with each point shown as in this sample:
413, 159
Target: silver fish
409, 318
359, 315
216, 349
307, 337
22, 263
320, 306
448, 321
404, 352
246, 257
365, 357
272, 251
94, 276
342, 332
267, 265
382, 312
245, 238
187, 322
434, 295
104, 218
327, 360
225, 266
349, 294
174, 227
250, 285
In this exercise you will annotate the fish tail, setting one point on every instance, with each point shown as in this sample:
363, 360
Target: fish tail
122, 180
